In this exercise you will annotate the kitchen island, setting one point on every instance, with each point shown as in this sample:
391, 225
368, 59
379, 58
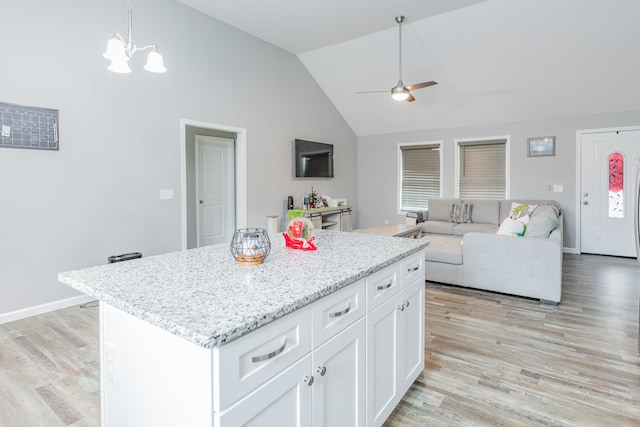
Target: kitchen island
327, 337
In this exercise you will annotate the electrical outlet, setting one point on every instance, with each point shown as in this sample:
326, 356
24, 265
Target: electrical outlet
386, 221
6, 131
558, 188
111, 362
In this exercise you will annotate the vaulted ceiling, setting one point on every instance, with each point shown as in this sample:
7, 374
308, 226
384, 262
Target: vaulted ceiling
495, 61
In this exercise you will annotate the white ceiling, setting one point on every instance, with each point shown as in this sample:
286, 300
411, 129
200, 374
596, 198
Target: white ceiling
495, 61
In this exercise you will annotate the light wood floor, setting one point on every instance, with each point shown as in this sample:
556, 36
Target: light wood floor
491, 359
497, 360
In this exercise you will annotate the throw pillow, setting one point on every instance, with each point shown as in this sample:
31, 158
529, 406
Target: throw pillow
513, 227
466, 213
543, 221
453, 212
460, 212
516, 223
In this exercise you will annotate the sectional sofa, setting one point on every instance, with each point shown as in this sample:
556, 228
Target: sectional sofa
465, 248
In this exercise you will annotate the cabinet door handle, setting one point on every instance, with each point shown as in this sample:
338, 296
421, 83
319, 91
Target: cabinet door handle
342, 312
406, 304
274, 353
322, 370
416, 268
401, 307
309, 380
388, 285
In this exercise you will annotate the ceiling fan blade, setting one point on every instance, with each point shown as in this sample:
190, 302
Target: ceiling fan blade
410, 98
375, 91
420, 85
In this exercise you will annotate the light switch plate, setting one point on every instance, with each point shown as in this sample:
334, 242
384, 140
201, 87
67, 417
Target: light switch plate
558, 188
166, 194
6, 131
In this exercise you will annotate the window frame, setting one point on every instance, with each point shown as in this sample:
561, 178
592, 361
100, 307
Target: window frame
440, 145
480, 140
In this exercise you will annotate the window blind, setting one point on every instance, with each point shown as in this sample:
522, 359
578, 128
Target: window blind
483, 173
420, 176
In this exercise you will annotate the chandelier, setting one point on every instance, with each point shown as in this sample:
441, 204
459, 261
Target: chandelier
120, 51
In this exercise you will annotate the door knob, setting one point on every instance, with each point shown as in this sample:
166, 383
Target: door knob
322, 370
585, 195
586, 202
309, 380
201, 202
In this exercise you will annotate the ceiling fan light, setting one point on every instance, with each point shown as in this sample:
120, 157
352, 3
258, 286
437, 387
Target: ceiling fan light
399, 93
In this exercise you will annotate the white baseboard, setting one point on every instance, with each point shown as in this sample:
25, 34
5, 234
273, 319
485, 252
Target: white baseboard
43, 308
571, 251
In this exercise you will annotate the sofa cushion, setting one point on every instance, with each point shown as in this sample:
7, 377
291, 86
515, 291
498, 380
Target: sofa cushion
462, 229
485, 211
542, 222
438, 227
445, 249
439, 209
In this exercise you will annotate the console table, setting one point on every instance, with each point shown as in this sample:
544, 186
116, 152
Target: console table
334, 218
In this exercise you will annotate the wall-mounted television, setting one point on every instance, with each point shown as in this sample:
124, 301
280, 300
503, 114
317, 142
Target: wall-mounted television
312, 159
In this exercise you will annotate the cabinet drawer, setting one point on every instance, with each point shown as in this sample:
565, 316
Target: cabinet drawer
412, 268
382, 285
248, 362
335, 312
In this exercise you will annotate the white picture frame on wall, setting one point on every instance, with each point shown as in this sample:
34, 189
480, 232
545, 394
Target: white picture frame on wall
541, 146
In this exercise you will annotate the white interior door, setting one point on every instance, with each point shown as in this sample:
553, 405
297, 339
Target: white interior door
609, 167
215, 189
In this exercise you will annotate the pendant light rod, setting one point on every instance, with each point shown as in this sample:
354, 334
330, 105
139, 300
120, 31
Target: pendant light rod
400, 20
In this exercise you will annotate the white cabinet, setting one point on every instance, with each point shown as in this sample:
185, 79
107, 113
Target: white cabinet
411, 335
283, 401
395, 338
330, 218
324, 389
338, 392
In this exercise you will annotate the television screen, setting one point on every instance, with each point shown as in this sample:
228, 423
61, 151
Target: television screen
312, 159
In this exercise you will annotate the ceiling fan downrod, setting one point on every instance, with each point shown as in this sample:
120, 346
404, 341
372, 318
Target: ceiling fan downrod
399, 92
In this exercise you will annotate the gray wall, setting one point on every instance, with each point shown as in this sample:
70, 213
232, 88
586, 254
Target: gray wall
378, 169
120, 134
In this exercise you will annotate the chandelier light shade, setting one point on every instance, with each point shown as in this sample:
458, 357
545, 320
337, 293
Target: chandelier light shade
120, 51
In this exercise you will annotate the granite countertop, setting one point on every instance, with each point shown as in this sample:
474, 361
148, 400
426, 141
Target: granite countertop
204, 296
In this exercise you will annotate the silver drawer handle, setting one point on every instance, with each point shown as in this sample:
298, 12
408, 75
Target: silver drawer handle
341, 313
388, 285
416, 268
256, 359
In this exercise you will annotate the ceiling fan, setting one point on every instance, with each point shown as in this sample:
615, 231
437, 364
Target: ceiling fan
400, 92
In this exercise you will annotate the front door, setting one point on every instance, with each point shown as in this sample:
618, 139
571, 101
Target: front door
215, 189
609, 167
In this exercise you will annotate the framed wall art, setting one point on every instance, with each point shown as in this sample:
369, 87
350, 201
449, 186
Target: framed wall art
541, 146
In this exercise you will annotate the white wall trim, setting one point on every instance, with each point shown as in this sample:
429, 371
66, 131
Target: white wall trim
241, 171
44, 308
579, 134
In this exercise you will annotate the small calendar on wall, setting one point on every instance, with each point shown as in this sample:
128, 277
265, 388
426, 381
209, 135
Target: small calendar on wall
28, 127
